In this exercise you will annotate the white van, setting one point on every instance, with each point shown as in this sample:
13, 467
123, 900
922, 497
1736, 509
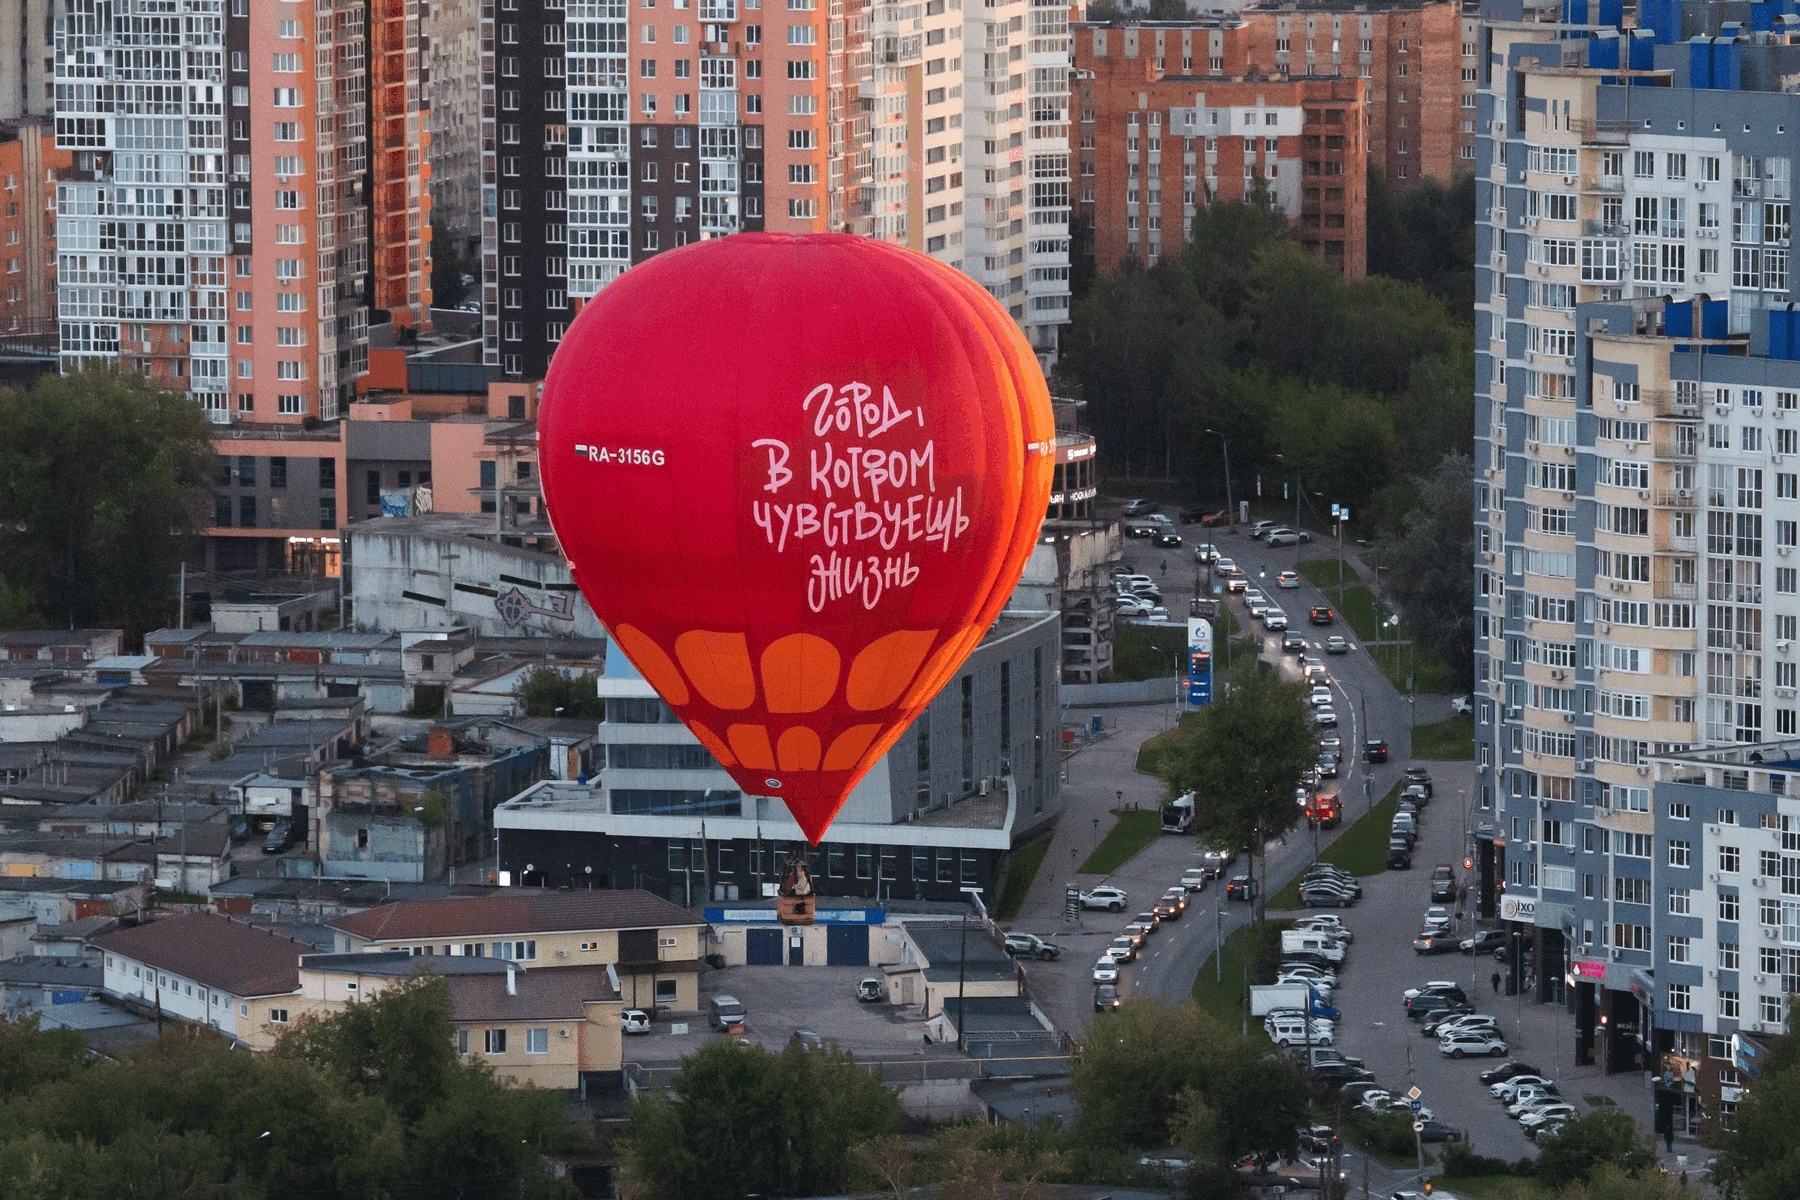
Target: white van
1302, 941
1292, 1031
726, 1011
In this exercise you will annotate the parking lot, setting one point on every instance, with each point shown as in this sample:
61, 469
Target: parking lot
780, 1000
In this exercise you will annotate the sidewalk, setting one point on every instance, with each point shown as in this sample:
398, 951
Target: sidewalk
1096, 777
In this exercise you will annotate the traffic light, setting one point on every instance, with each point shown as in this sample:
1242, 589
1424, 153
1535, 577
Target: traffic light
1468, 863
1604, 1020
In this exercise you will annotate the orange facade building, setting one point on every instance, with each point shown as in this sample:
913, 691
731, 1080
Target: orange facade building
220, 236
30, 165
1159, 143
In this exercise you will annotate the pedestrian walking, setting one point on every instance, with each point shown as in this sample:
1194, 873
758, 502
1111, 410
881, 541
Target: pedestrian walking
1496, 983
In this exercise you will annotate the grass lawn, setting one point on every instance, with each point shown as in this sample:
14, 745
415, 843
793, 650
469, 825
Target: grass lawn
1132, 832
1323, 572
1149, 652
1150, 754
1021, 869
1224, 998
1361, 850
1446, 741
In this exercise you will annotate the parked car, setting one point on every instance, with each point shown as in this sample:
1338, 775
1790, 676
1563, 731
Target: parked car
1327, 921
1336, 645
1287, 579
869, 991
283, 837
1443, 882
1461, 1045
634, 1020
1507, 1089
1482, 942
725, 1011
1433, 941
1213, 520
1399, 855
1375, 750
1106, 970
1261, 529
1029, 945
1436, 1131
1106, 996
1137, 508
1445, 987
1322, 615
1425, 1006
1463, 706
1287, 537
1105, 896
1292, 1031
1505, 1071
1325, 894
1421, 777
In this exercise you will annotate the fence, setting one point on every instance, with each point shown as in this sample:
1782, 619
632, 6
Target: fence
900, 1071
1099, 695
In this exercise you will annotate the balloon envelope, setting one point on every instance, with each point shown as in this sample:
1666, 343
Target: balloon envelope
797, 477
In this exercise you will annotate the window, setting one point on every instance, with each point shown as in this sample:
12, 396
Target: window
278, 1016
1680, 902
1678, 949
668, 991
1729, 906
1730, 859
537, 1041
494, 1041
1678, 853
1680, 998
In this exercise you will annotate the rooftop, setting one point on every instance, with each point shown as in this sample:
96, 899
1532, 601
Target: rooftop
221, 953
398, 964
516, 911
559, 995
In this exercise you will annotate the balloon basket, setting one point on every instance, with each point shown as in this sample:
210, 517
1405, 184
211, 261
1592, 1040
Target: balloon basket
794, 910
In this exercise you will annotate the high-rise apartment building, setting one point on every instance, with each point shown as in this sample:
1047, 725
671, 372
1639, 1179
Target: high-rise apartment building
27, 44
1157, 146
30, 166
1635, 491
249, 186
616, 129
452, 83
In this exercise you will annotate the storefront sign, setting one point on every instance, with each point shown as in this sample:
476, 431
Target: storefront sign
822, 916
1587, 970
1518, 908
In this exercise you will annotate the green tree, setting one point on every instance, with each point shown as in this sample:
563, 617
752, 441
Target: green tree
1759, 1157
1175, 1075
1605, 1136
1430, 573
102, 475
1242, 759
1425, 235
739, 1121
547, 689
396, 1046
30, 1055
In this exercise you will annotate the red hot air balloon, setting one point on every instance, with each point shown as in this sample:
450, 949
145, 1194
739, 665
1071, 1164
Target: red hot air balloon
797, 477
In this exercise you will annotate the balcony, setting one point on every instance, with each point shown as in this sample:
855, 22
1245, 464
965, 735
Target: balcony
1597, 132
1664, 402
1683, 498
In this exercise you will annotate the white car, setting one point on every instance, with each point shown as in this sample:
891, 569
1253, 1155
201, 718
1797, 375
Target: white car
1467, 1023
1225, 566
1507, 1089
1327, 921
1133, 606
1375, 1100
634, 1020
1549, 1114
1430, 985
1207, 552
1106, 970
1320, 695
1325, 715
1291, 1031
1105, 896
1274, 620
1262, 527
1463, 1043
1255, 596
1287, 579
1528, 1099
1194, 879
1437, 917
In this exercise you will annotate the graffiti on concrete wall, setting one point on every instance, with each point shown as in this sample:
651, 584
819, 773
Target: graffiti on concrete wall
514, 606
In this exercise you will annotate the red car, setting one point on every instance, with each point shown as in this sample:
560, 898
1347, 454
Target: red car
1213, 520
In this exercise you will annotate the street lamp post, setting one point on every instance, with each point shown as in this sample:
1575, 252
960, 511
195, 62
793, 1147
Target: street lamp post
1230, 508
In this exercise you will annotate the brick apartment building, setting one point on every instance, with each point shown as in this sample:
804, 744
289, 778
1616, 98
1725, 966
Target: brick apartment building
612, 132
30, 165
1159, 142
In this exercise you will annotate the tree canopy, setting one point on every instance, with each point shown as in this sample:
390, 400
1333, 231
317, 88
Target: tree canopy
1242, 758
1351, 387
547, 689
1759, 1157
372, 1103
1149, 1076
739, 1121
102, 475
1430, 562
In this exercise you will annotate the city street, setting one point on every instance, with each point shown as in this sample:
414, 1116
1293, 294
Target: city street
1382, 963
